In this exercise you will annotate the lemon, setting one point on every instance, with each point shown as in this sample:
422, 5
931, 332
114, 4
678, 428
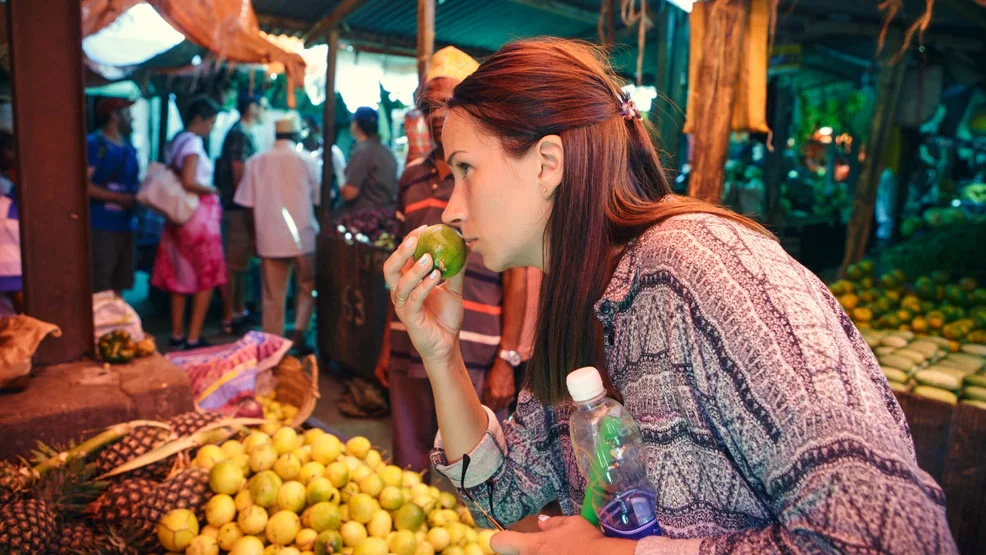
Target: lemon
446, 247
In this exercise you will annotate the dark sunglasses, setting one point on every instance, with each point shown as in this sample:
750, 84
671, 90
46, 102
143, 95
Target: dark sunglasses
493, 521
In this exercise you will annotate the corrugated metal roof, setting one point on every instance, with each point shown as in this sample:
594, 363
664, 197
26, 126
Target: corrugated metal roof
482, 24
301, 10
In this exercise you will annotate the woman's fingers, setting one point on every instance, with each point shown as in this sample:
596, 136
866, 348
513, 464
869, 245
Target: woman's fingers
412, 277
394, 266
416, 299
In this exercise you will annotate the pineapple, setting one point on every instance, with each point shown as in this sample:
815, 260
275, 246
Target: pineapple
121, 503
188, 489
132, 446
14, 479
30, 523
75, 538
27, 526
188, 423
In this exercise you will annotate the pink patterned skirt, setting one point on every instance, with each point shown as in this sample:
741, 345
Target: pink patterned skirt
190, 257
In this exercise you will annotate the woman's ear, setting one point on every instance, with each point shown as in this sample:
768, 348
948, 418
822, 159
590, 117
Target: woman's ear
551, 162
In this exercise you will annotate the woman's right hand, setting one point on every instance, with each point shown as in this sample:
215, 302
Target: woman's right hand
432, 313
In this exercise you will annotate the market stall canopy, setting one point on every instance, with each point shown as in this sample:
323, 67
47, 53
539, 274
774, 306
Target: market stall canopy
227, 28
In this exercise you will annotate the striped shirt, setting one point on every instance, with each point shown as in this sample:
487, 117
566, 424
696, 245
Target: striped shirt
421, 199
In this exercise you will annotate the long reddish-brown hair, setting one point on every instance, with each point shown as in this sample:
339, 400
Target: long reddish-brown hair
611, 186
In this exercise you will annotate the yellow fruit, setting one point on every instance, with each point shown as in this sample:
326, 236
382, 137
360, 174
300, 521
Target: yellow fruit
338, 474
232, 448
484, 541
304, 454
410, 479
380, 524
472, 549
263, 457
286, 440
862, 314
220, 509
329, 541
310, 435
371, 485
292, 496
203, 545
849, 302
403, 543
226, 477
352, 533
409, 517
305, 540
391, 498
283, 527
228, 535
371, 546
919, 325
373, 459
322, 516
446, 247
264, 488
255, 439
288, 551
358, 447
326, 448
252, 521
247, 545
361, 508
320, 489
208, 456
210, 531
287, 466
439, 538
177, 529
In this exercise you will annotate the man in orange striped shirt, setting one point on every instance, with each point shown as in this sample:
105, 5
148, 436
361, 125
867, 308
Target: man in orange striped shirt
494, 303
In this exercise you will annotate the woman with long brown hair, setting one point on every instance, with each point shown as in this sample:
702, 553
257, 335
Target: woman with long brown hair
767, 423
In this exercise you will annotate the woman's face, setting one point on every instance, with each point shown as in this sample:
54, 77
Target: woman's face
498, 203
203, 127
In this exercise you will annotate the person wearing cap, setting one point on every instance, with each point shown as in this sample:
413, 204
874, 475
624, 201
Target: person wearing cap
494, 302
282, 187
112, 183
371, 174
237, 147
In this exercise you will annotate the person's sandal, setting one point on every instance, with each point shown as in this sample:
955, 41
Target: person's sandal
176, 342
227, 327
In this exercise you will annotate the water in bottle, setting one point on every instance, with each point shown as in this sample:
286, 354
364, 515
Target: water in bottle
610, 454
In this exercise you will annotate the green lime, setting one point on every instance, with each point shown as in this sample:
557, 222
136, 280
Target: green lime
446, 247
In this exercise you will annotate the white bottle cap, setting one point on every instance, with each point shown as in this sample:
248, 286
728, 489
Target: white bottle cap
584, 384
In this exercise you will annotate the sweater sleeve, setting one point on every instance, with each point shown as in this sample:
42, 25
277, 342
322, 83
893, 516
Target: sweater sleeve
801, 406
515, 470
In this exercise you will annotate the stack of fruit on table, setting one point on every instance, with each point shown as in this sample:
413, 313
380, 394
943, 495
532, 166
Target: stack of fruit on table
929, 334
218, 486
375, 226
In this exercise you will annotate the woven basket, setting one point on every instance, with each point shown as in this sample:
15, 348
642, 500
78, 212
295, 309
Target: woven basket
293, 386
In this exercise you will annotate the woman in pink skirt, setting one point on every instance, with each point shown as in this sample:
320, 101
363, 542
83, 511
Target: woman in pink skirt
190, 258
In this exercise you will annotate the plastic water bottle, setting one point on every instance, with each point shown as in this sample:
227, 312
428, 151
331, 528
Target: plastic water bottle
610, 454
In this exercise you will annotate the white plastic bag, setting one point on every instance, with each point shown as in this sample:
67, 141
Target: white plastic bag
162, 192
111, 313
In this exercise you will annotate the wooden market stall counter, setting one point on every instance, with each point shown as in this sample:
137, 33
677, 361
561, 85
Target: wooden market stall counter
951, 446
69, 401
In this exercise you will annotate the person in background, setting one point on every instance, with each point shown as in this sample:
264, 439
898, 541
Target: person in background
237, 236
494, 303
113, 183
190, 258
11, 284
282, 188
371, 174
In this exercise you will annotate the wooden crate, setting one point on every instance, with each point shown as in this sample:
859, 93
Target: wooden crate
950, 443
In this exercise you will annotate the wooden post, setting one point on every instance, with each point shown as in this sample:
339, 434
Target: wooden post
49, 119
910, 151
714, 94
164, 111
426, 37
783, 109
864, 199
672, 91
329, 128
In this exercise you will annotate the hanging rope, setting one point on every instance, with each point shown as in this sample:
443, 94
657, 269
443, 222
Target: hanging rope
632, 15
890, 9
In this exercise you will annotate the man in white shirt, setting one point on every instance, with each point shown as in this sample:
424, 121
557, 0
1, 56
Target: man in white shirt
282, 187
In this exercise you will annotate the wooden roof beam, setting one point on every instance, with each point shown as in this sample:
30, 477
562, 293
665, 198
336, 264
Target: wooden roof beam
323, 26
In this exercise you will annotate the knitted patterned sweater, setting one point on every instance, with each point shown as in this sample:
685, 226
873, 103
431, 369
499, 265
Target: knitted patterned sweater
768, 425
